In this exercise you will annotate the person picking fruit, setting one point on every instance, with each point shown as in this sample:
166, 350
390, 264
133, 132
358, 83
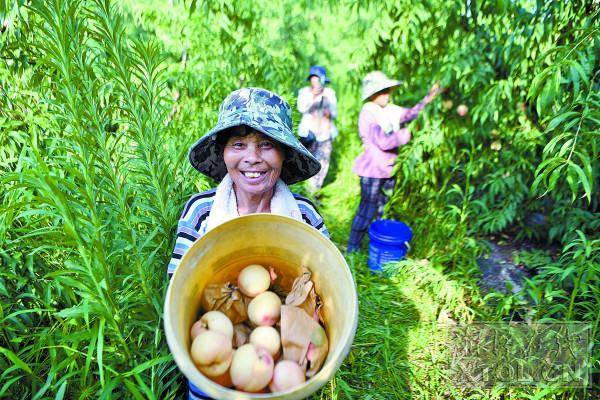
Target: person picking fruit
381, 129
254, 155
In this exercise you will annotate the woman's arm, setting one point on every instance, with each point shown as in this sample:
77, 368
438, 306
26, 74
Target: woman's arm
190, 226
186, 236
310, 215
332, 104
320, 226
306, 100
413, 112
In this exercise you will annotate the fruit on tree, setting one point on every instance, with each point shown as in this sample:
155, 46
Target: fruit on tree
251, 368
496, 145
266, 337
286, 375
254, 280
265, 309
214, 321
212, 352
5, 25
462, 110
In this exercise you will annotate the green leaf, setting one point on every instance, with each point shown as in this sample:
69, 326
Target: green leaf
582, 74
77, 311
100, 350
549, 148
575, 79
15, 359
193, 7
133, 389
559, 119
554, 177
60, 394
538, 83
583, 179
148, 364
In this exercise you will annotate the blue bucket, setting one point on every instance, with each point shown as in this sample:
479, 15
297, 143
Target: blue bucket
388, 242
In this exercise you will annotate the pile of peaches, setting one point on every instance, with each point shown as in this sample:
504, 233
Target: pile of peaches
247, 356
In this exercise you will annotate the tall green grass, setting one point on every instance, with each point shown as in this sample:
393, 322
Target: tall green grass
91, 207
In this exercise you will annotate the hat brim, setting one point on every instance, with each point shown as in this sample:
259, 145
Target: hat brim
388, 84
206, 156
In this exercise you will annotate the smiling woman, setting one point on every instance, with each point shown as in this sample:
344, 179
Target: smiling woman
254, 154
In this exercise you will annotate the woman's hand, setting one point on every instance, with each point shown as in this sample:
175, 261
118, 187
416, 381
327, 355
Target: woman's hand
433, 92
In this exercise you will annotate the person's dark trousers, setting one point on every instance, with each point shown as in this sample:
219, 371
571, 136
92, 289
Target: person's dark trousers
309, 142
372, 200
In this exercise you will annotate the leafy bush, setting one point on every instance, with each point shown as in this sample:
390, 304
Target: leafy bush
525, 161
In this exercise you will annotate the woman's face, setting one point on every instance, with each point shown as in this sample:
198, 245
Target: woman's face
315, 82
254, 163
381, 98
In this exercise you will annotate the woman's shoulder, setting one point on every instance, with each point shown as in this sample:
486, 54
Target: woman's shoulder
307, 208
310, 215
366, 112
304, 90
305, 201
198, 203
396, 110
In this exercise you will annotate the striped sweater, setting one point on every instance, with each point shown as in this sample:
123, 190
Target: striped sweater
192, 223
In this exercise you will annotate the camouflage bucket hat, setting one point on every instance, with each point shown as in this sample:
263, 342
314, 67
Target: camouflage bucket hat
265, 112
376, 81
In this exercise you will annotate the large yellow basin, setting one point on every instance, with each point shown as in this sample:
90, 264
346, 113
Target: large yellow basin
266, 239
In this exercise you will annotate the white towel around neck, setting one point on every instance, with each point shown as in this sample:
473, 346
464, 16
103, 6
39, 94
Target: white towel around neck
388, 117
224, 206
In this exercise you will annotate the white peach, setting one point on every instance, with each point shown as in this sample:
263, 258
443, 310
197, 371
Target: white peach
254, 280
196, 329
286, 375
251, 368
213, 321
266, 337
265, 309
216, 369
212, 352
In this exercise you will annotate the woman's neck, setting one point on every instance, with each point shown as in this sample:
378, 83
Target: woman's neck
249, 204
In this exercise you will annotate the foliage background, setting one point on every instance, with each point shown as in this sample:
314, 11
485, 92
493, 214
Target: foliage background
100, 100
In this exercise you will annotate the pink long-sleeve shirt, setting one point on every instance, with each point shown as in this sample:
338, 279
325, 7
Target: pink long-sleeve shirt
380, 148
